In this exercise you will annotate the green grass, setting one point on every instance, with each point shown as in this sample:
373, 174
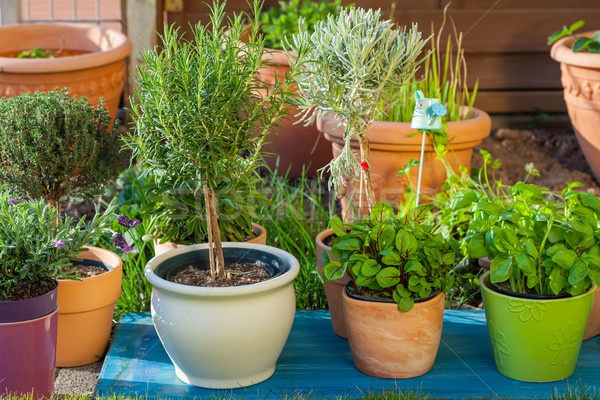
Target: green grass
298, 210
578, 393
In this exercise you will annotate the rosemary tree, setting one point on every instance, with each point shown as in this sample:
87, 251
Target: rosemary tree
55, 145
357, 62
200, 106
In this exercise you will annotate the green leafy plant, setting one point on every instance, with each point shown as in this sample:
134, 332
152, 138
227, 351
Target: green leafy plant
200, 107
36, 244
590, 44
357, 62
393, 256
38, 52
538, 246
181, 210
55, 145
453, 204
280, 23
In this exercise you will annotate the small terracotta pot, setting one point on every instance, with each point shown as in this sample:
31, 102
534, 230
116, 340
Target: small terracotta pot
86, 309
388, 343
27, 352
260, 231
333, 289
393, 144
580, 75
97, 71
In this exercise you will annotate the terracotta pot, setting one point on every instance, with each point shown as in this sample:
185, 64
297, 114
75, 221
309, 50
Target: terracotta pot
333, 289
388, 343
581, 88
86, 310
260, 231
392, 146
28, 345
96, 71
297, 146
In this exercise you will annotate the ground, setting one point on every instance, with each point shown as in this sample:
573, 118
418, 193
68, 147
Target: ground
554, 152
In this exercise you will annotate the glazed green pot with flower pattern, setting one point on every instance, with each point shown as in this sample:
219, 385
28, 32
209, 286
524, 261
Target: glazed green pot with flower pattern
535, 340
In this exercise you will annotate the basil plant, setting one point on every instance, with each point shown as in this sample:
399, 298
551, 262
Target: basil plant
398, 256
538, 245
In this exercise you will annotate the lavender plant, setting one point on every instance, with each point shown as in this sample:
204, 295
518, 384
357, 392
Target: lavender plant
200, 107
36, 244
357, 62
55, 145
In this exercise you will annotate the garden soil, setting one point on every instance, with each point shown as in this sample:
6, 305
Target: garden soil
553, 151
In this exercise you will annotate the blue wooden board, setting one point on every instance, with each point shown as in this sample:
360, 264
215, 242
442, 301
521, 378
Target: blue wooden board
316, 361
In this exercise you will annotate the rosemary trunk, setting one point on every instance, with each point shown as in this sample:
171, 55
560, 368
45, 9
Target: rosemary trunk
215, 248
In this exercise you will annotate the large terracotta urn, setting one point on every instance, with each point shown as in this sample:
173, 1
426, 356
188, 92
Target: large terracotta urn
90, 61
580, 74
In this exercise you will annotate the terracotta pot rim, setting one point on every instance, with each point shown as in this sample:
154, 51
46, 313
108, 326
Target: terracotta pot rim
255, 228
386, 133
113, 47
487, 285
562, 52
359, 297
322, 235
104, 276
273, 56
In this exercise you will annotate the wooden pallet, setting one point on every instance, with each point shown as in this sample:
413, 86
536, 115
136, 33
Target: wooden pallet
316, 361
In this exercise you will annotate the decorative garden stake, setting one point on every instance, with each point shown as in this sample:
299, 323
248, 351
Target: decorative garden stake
427, 116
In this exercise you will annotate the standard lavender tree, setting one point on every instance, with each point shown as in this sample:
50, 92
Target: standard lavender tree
200, 107
357, 63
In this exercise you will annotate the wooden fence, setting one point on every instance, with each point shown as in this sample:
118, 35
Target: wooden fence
504, 42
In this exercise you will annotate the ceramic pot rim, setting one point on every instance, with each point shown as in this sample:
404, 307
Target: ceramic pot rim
30, 320
484, 286
359, 297
562, 52
276, 282
117, 47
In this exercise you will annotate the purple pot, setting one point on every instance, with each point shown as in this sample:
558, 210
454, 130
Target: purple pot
28, 351
24, 310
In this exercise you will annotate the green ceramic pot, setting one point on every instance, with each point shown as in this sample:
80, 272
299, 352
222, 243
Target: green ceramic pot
535, 340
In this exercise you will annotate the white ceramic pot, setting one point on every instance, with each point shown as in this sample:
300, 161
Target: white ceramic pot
226, 337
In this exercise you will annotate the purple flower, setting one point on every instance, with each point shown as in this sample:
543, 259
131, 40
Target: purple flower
127, 223
59, 243
11, 201
121, 243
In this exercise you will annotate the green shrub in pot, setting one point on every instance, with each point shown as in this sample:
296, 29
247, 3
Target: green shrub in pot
540, 288
399, 269
399, 257
280, 23
55, 145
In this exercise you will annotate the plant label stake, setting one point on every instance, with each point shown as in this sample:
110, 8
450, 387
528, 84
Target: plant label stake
427, 116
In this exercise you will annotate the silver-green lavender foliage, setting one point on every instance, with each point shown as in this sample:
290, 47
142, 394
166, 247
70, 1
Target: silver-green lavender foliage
36, 243
357, 62
201, 111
